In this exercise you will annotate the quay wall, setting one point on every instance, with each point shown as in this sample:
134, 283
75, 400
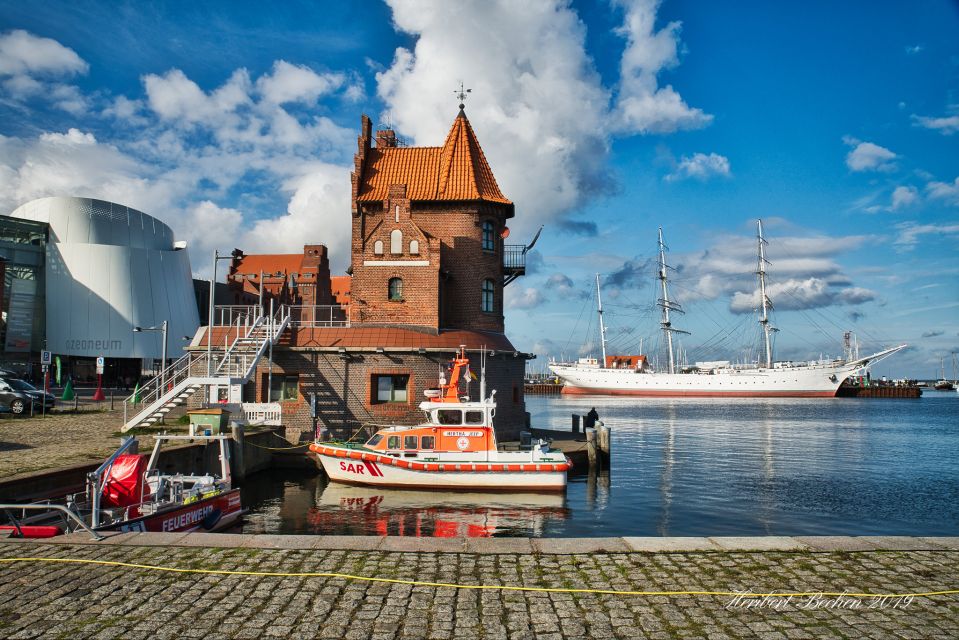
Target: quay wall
189, 458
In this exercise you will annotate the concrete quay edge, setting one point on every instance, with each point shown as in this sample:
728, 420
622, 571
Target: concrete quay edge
525, 546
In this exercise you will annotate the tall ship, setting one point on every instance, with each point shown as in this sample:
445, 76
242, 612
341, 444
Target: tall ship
632, 375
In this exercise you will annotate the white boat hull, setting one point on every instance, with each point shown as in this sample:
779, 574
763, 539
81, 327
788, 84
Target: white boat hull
374, 470
808, 381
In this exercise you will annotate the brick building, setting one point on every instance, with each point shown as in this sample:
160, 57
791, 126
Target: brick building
428, 268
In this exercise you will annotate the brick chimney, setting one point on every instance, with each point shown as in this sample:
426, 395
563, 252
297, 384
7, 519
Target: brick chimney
385, 138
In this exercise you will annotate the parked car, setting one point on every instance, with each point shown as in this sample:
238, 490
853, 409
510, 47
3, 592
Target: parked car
18, 394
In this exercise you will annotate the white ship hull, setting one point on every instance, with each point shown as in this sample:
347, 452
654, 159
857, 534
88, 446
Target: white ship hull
816, 380
513, 473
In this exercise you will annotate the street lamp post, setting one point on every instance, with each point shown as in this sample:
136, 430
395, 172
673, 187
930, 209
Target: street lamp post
163, 329
209, 327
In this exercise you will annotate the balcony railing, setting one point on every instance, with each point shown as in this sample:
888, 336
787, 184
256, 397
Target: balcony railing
316, 316
514, 262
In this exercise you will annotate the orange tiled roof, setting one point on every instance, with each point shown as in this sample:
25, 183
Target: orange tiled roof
270, 263
456, 171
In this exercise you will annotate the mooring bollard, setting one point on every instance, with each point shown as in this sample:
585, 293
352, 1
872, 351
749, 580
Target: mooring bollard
575, 423
238, 463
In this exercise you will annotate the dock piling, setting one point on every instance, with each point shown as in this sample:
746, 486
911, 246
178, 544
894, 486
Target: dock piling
239, 466
592, 449
576, 419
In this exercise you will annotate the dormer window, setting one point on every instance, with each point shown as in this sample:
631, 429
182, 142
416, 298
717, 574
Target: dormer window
396, 241
378, 247
415, 247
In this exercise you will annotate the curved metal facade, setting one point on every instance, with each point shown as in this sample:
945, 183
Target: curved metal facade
110, 268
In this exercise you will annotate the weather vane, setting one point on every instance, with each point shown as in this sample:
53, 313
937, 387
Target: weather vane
461, 94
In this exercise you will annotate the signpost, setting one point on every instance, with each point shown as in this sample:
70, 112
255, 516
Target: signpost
98, 394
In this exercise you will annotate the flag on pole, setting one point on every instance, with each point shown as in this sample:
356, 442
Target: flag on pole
135, 398
57, 361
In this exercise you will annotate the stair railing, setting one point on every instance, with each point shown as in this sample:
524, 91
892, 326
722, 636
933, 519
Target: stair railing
154, 388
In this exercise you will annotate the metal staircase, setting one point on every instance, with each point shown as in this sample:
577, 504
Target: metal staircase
233, 364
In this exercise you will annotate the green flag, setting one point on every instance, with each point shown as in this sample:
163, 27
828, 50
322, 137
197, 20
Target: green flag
68, 391
58, 370
135, 398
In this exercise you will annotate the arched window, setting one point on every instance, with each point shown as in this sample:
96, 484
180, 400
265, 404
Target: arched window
396, 289
415, 247
378, 247
396, 241
489, 240
488, 290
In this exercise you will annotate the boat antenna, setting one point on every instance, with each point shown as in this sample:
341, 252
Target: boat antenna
483, 374
766, 303
602, 326
666, 305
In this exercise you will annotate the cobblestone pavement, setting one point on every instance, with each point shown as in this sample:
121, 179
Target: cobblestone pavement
59, 439
87, 601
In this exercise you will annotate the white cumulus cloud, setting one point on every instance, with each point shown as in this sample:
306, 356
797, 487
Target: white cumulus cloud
24, 54
517, 298
868, 156
642, 105
946, 125
946, 191
701, 167
904, 196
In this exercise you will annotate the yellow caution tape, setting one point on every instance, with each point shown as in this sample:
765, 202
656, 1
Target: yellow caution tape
418, 583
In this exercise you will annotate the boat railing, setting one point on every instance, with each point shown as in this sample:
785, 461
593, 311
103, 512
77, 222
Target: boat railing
59, 508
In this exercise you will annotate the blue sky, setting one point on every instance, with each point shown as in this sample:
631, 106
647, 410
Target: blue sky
837, 123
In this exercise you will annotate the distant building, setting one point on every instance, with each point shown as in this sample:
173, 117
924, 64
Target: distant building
81, 274
428, 268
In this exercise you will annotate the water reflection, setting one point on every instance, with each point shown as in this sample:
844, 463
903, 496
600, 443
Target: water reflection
686, 467
313, 505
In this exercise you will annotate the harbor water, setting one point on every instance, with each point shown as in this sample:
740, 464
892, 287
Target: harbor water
682, 467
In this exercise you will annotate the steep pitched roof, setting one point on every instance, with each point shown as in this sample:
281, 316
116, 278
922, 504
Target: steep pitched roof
456, 171
270, 263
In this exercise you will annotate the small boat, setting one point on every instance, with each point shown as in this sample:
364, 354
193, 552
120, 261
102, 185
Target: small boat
455, 449
943, 384
129, 493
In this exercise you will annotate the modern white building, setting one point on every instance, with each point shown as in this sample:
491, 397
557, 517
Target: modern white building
108, 269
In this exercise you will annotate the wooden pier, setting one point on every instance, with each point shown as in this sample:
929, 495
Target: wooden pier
543, 389
878, 391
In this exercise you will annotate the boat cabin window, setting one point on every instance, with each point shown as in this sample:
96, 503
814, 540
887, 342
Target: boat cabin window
449, 416
474, 417
409, 442
375, 440
393, 442
427, 442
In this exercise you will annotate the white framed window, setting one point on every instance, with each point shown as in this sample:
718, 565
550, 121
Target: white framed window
378, 247
396, 241
415, 247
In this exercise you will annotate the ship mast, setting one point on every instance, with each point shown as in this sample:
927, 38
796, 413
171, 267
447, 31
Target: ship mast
602, 327
766, 304
666, 305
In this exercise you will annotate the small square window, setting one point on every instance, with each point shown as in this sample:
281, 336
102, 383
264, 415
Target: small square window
393, 442
428, 442
390, 388
409, 442
285, 388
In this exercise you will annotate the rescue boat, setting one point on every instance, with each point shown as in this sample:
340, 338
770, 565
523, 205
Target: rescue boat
454, 449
